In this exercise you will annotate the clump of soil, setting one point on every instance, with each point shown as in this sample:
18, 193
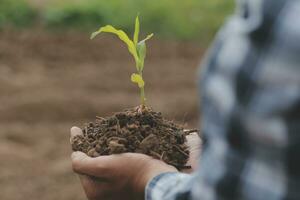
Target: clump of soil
135, 130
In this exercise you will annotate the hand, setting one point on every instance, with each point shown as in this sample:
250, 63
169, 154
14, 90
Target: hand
115, 177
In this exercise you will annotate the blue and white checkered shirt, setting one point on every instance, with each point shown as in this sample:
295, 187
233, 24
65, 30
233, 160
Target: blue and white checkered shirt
250, 88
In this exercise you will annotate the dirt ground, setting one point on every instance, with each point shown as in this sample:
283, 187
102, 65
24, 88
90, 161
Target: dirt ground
50, 82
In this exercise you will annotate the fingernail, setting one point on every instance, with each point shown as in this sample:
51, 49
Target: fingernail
75, 155
75, 131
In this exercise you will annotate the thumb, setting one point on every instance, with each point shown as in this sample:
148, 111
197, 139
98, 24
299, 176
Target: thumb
75, 131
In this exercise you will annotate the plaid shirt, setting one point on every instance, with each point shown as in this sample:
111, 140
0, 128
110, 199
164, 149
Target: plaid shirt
250, 89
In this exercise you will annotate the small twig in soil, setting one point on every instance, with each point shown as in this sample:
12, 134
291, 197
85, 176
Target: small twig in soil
156, 155
186, 167
162, 155
86, 131
180, 167
187, 132
178, 149
100, 118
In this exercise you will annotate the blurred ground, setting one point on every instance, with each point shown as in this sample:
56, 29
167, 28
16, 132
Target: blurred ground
50, 82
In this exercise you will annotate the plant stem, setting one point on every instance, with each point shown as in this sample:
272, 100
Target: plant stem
143, 99
140, 66
142, 91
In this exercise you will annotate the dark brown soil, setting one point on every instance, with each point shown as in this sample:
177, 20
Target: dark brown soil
135, 130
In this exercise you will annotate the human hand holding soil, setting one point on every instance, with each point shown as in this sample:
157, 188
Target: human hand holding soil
122, 176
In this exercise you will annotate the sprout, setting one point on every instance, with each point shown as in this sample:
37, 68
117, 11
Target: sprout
137, 50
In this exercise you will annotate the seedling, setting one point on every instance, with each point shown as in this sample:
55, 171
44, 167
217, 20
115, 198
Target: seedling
134, 130
137, 49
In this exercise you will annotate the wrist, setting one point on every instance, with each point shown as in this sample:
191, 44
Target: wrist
151, 171
163, 184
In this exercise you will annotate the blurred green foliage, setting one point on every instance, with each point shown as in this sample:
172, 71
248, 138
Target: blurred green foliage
16, 13
181, 19
170, 18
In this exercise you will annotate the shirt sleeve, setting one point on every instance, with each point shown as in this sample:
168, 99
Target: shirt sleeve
170, 186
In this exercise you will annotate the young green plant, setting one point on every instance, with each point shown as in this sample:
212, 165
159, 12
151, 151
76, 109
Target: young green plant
136, 48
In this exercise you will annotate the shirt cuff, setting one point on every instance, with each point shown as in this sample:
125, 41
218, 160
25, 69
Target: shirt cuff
161, 185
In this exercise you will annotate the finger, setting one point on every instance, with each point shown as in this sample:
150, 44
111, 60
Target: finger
95, 167
194, 142
94, 189
91, 180
75, 131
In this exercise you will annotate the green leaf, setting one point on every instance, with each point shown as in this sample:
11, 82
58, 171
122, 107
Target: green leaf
136, 31
122, 35
142, 50
138, 79
147, 38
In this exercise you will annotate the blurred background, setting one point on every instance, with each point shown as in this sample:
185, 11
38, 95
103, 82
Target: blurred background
53, 77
